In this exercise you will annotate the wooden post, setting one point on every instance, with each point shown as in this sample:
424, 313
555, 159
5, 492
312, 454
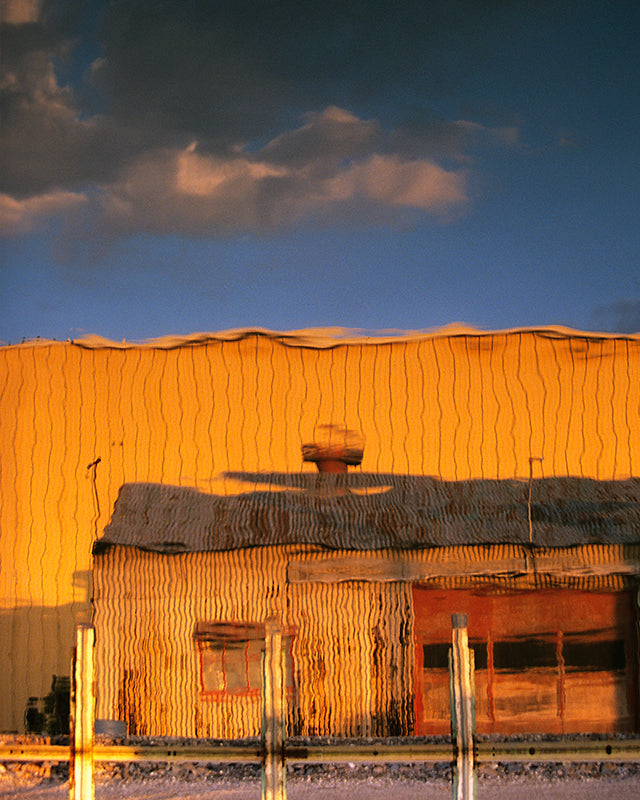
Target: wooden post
273, 715
81, 785
462, 709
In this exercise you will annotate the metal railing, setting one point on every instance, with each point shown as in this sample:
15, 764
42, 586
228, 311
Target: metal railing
273, 752
344, 751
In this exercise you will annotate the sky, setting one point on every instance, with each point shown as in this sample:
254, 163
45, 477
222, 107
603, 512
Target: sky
178, 166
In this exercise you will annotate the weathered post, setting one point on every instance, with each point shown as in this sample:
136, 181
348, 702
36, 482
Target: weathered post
462, 709
81, 785
273, 715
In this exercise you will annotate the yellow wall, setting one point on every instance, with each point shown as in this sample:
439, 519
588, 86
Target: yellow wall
454, 405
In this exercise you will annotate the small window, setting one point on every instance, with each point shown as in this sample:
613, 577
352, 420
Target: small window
233, 667
479, 654
436, 656
522, 654
231, 658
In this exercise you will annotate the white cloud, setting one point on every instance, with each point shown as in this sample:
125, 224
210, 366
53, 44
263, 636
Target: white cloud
333, 133
391, 180
209, 176
21, 216
297, 175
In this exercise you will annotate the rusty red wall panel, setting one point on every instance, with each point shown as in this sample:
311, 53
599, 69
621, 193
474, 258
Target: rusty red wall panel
538, 688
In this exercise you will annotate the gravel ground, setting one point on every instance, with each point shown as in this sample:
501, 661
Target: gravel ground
499, 782
163, 789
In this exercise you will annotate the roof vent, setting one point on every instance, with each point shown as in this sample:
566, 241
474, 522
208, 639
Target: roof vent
335, 449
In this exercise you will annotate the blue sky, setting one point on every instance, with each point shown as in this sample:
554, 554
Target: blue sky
180, 166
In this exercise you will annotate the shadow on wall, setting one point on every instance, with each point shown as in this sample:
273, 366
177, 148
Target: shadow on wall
36, 648
50, 714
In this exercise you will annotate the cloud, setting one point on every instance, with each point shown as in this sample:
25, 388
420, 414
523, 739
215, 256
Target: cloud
234, 71
22, 216
20, 12
505, 135
203, 176
327, 164
421, 184
333, 134
44, 144
305, 110
47, 141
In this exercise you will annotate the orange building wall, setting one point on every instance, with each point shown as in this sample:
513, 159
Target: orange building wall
455, 405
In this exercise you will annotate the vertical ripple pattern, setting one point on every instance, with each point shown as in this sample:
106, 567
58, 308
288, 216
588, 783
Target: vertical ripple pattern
453, 405
352, 655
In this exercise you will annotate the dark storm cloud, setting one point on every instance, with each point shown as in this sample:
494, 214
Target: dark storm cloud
244, 71
236, 70
47, 143
194, 112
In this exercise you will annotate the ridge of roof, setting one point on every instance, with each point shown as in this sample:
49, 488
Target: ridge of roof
324, 338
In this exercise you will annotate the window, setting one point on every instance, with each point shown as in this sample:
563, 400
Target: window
233, 667
525, 653
546, 660
593, 656
230, 657
531, 682
513, 655
436, 656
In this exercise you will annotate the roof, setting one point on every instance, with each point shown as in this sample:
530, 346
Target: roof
324, 338
364, 511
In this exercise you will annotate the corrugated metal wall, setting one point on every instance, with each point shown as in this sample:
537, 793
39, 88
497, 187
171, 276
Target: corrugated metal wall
455, 406
352, 651
353, 648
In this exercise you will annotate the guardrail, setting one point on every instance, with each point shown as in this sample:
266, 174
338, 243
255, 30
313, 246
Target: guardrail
588, 751
273, 752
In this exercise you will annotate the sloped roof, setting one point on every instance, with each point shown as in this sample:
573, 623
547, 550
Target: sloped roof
363, 511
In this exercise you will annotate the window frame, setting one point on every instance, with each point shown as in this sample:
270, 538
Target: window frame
243, 636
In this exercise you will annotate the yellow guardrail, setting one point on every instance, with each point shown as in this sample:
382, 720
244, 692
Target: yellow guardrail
617, 750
